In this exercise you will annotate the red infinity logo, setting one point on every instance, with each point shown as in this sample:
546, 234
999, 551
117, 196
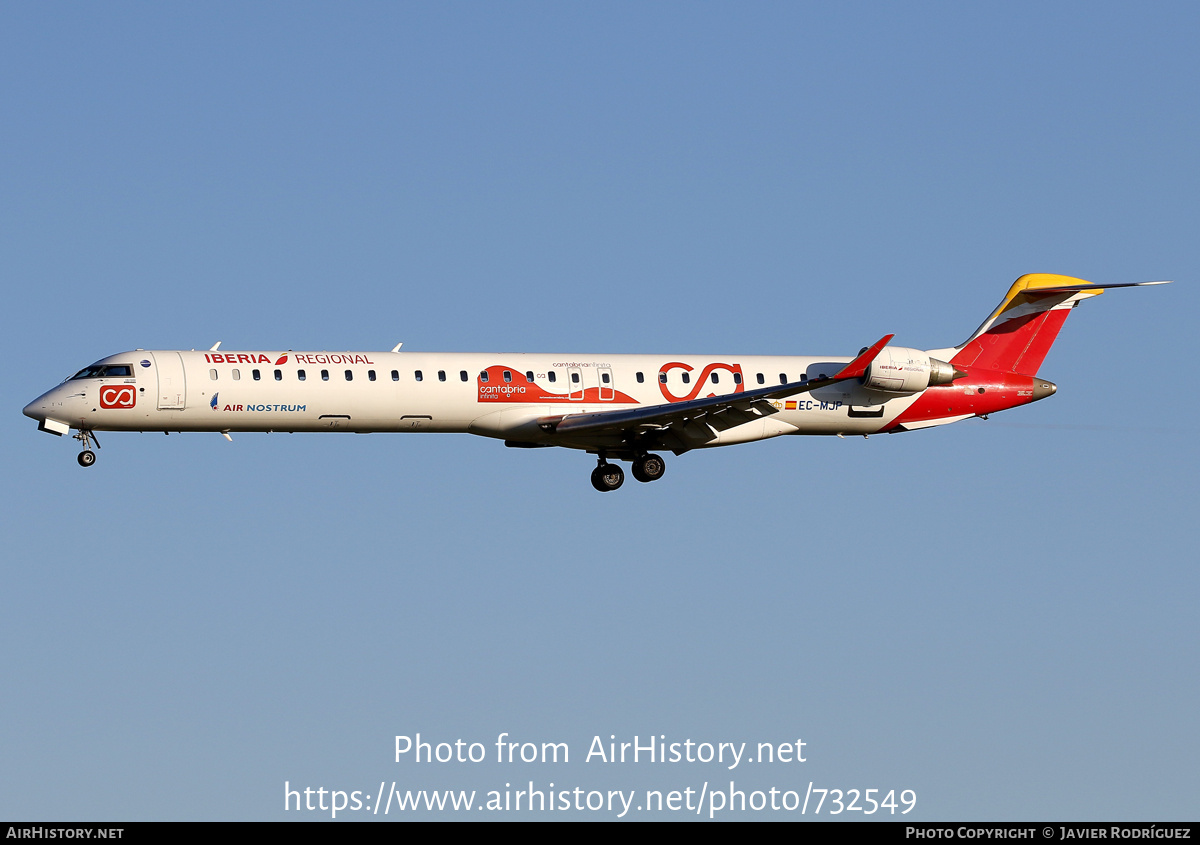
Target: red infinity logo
118, 396
734, 369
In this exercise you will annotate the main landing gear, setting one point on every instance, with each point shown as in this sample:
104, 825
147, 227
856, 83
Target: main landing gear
87, 457
649, 468
607, 477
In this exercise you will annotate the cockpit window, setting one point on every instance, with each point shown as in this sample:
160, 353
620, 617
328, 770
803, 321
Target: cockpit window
105, 371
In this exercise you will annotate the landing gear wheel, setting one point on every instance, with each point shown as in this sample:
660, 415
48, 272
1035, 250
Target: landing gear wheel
86, 438
607, 477
649, 468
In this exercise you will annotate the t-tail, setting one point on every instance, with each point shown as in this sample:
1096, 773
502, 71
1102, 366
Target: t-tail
996, 367
1019, 333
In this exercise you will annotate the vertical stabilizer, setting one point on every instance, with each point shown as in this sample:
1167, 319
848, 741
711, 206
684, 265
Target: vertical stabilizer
1019, 333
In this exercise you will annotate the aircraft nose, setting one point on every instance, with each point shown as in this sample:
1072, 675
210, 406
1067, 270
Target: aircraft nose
39, 408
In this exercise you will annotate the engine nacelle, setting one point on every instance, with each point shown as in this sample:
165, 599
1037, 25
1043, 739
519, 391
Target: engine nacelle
900, 371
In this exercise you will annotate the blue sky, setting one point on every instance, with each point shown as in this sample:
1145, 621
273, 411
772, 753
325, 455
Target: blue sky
998, 615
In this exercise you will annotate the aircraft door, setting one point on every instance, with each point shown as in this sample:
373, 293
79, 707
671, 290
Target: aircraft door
172, 388
575, 384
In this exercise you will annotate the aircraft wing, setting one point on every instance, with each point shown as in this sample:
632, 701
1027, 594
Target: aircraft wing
716, 413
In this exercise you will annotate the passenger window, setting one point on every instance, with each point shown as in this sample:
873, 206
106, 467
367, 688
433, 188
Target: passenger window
715, 379
370, 375
349, 375
662, 378
604, 377
687, 378
640, 378
574, 378
760, 378
782, 378
529, 376
300, 374
737, 378
462, 374
483, 376
551, 376
324, 375
441, 375
256, 374
507, 375
212, 374
418, 376
237, 375
804, 377
395, 375
279, 375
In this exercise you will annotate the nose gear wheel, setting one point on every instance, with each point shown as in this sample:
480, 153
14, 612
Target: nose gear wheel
86, 437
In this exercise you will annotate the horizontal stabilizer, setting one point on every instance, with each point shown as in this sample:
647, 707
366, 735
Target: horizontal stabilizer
1074, 288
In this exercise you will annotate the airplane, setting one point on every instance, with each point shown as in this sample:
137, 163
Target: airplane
619, 407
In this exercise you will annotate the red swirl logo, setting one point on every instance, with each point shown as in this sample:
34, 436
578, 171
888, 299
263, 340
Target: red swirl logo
700, 382
118, 396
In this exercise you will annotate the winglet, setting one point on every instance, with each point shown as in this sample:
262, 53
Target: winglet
858, 367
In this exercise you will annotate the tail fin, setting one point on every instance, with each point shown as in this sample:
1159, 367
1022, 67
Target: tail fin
1019, 333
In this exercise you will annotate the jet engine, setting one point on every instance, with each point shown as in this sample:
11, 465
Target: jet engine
900, 371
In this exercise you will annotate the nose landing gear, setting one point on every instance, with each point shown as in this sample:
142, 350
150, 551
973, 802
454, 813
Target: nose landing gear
86, 437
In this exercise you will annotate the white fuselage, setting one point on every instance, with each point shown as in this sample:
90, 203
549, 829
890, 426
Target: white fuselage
494, 395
